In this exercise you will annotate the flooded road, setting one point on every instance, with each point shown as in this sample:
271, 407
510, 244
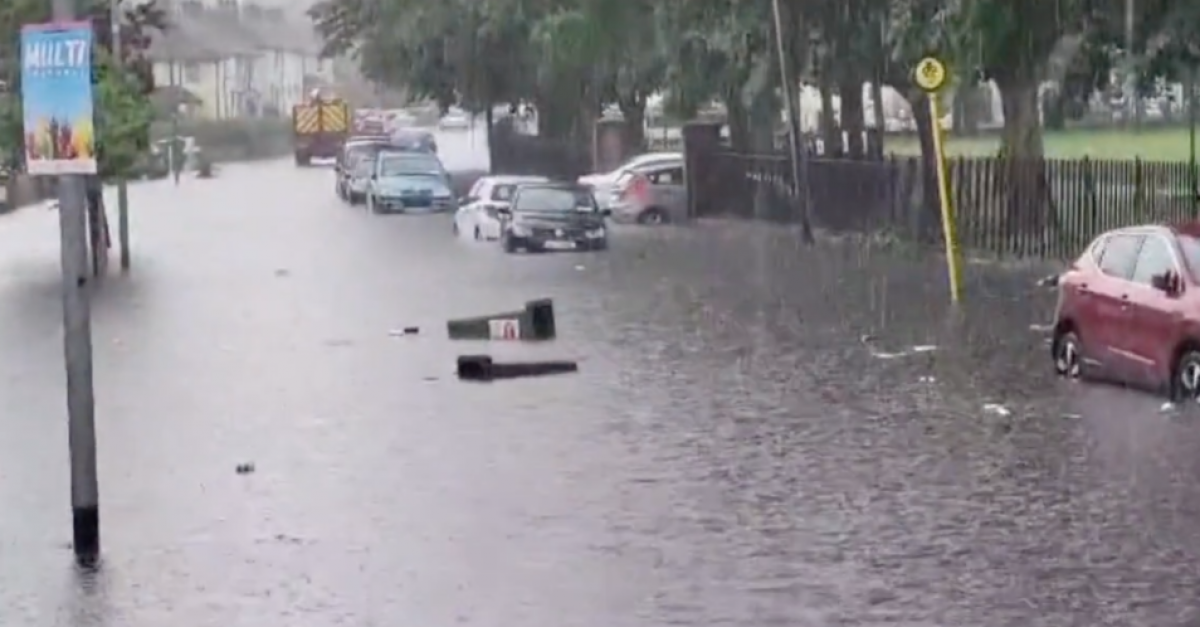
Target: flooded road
752, 438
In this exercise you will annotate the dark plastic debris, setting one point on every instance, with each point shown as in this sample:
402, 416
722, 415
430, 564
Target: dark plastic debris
483, 368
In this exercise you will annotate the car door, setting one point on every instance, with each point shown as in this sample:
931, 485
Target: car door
1107, 310
670, 194
475, 196
1156, 314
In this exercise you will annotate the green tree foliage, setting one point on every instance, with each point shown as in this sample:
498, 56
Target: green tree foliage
123, 110
578, 56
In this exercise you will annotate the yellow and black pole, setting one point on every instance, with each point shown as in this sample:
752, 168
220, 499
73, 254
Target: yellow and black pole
930, 76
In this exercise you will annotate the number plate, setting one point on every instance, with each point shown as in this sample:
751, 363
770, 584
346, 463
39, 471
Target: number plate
560, 245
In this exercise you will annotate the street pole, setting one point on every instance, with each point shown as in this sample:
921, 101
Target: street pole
77, 348
1190, 98
1133, 105
799, 154
122, 188
171, 156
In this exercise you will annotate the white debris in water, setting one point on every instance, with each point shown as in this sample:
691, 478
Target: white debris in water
1041, 328
997, 409
915, 350
580, 268
1167, 406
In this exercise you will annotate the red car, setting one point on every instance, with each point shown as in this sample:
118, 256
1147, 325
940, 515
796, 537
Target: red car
1129, 310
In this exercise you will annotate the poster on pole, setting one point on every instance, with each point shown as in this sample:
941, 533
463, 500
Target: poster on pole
56, 95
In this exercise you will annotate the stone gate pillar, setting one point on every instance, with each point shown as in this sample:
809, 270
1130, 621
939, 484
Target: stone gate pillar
701, 140
610, 145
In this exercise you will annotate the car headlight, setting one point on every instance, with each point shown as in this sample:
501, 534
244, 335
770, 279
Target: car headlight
520, 231
596, 233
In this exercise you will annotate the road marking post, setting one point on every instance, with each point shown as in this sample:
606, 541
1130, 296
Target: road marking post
930, 76
57, 100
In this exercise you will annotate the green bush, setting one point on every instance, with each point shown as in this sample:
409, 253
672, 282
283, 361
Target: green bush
225, 140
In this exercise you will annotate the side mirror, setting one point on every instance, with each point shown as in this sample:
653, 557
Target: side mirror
1167, 282
606, 212
466, 200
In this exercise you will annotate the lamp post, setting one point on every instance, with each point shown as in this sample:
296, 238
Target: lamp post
799, 155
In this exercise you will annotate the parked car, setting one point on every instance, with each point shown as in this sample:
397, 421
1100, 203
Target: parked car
553, 216
358, 178
652, 195
413, 139
1129, 310
478, 214
454, 120
409, 182
362, 146
604, 184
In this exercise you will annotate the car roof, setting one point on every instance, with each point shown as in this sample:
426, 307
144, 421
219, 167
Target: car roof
563, 185
511, 178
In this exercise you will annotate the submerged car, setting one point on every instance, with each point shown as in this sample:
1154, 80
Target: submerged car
1129, 310
409, 182
356, 148
478, 214
553, 216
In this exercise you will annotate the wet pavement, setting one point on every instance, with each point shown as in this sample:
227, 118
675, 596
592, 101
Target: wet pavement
752, 440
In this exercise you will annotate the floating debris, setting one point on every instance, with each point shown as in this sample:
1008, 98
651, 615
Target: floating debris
404, 331
1041, 328
1166, 407
997, 409
915, 350
245, 469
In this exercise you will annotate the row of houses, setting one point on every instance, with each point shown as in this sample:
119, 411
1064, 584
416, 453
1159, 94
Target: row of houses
221, 59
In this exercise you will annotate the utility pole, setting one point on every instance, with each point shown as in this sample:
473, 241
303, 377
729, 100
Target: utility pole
77, 348
799, 153
172, 145
1133, 104
122, 187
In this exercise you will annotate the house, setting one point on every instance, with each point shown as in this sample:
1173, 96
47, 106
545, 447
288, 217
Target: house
236, 58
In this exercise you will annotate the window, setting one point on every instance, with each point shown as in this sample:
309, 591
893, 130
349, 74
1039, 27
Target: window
477, 189
191, 72
1154, 259
1191, 253
668, 176
503, 193
1119, 254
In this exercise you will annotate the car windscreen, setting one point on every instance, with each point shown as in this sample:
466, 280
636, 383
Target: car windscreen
555, 200
409, 164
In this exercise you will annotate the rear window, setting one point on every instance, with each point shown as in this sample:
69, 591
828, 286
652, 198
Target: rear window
503, 193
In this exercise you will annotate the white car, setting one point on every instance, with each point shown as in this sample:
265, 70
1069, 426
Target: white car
605, 184
358, 179
454, 120
478, 213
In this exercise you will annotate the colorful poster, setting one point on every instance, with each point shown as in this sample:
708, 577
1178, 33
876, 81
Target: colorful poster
56, 93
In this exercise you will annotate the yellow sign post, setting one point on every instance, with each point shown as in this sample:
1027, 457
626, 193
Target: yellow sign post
930, 76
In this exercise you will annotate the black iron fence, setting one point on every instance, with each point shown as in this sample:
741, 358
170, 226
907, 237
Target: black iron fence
1032, 208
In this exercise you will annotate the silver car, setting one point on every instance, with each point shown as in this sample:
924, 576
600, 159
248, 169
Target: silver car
604, 184
650, 195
